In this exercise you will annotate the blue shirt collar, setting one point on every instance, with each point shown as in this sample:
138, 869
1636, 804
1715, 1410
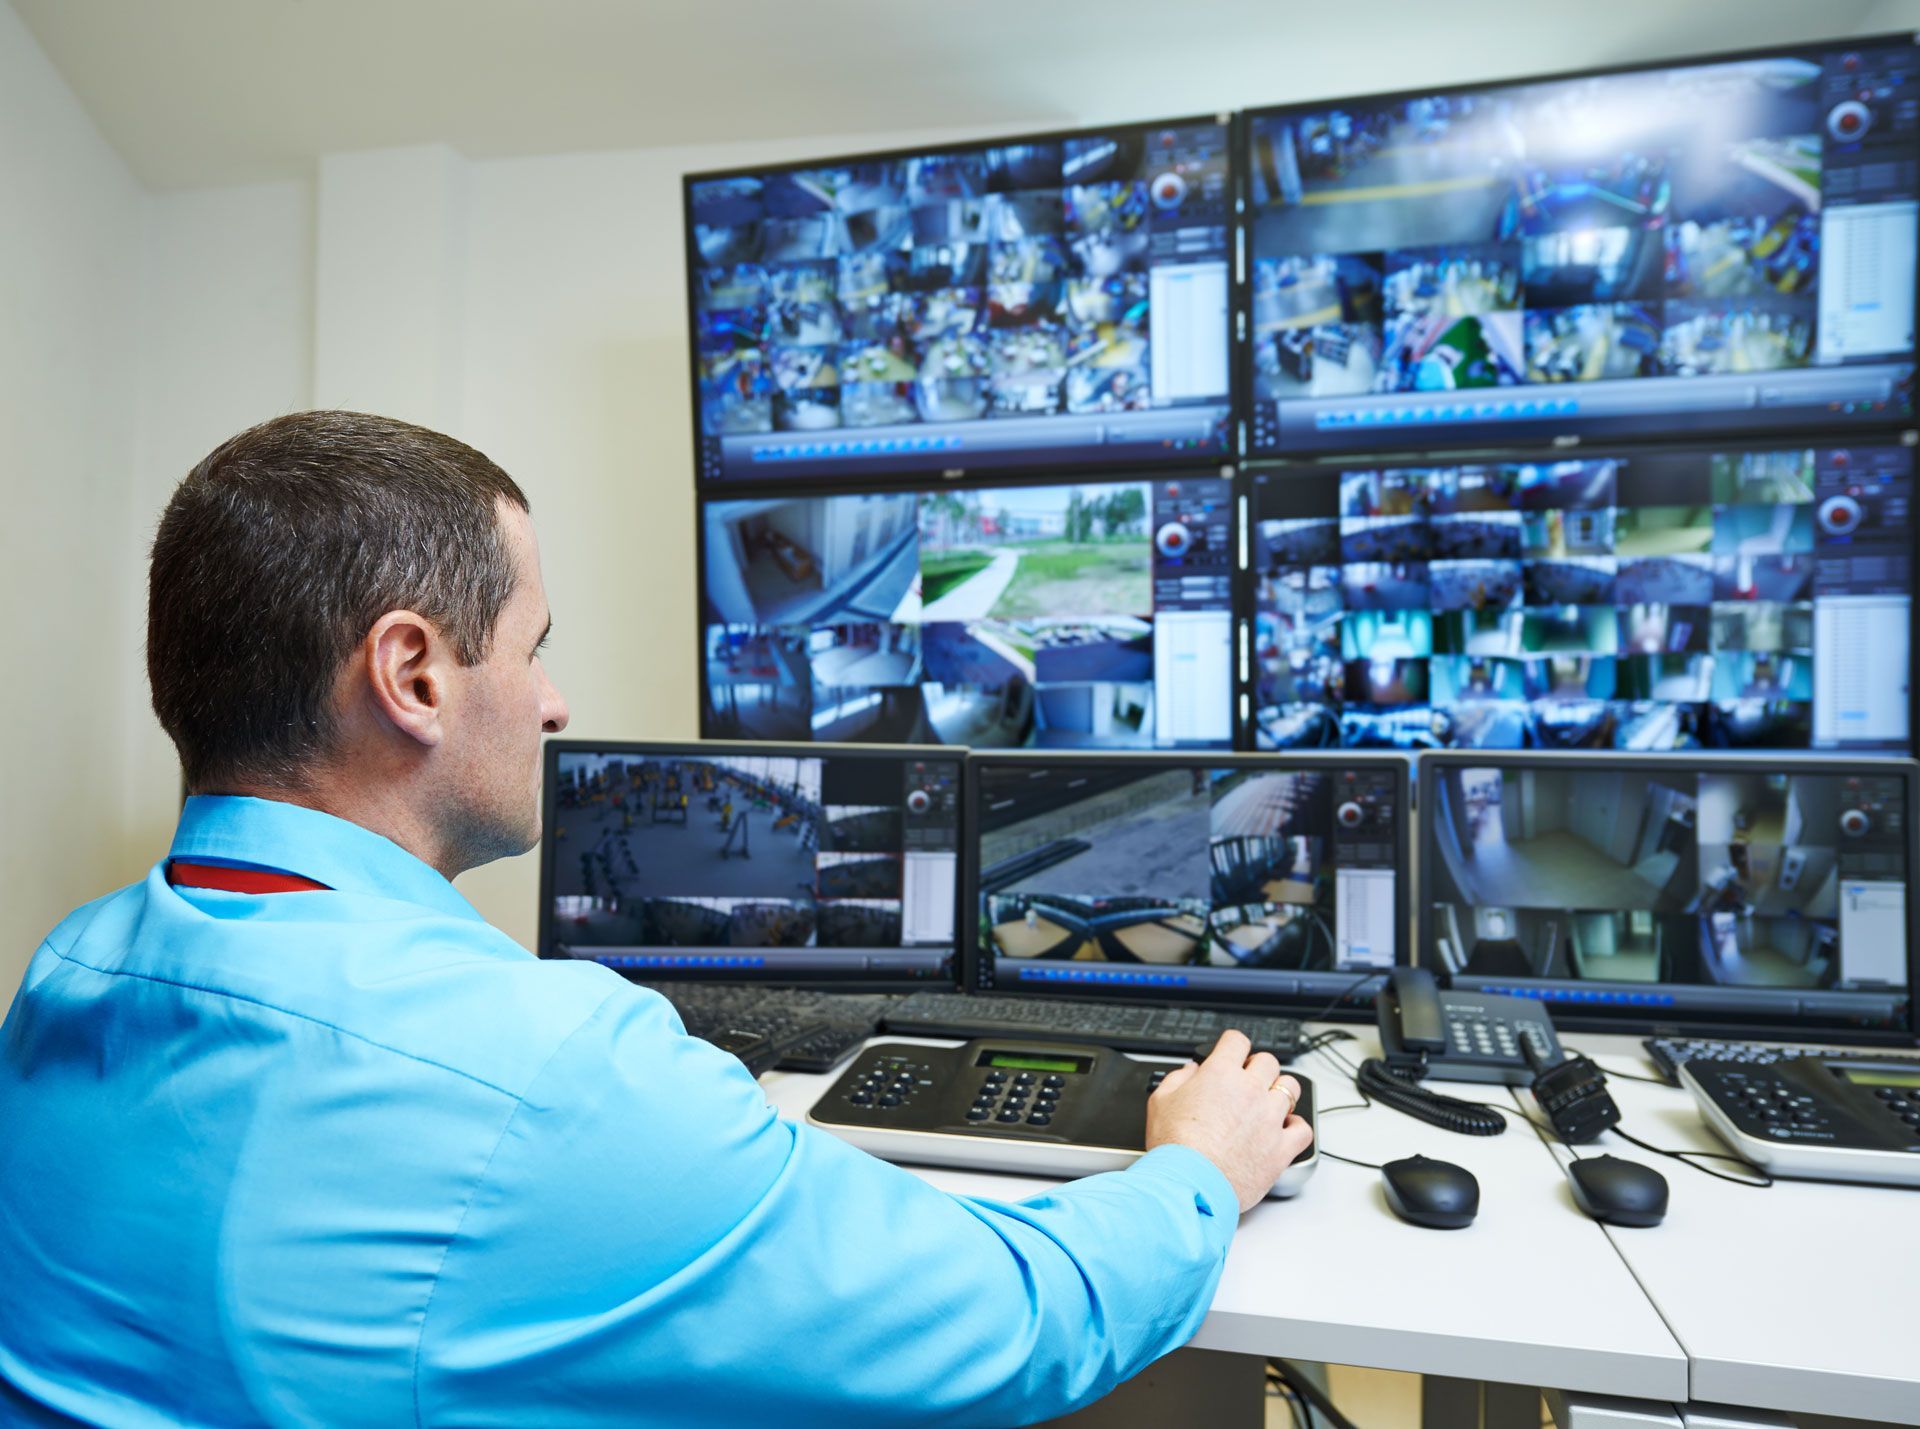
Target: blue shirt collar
290, 838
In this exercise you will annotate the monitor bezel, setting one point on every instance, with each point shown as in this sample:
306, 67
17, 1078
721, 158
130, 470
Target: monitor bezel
1495, 435
761, 491
1433, 764
553, 749
878, 475
1354, 1004
1247, 594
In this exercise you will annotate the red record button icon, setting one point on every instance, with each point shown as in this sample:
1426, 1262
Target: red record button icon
1849, 120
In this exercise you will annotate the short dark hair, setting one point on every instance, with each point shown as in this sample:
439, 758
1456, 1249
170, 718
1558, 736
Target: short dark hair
276, 555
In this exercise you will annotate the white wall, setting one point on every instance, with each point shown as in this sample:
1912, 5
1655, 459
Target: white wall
225, 340
70, 252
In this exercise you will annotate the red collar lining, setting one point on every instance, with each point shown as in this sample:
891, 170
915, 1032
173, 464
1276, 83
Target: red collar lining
182, 874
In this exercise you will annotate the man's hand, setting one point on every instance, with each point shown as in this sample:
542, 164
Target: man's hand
1234, 1110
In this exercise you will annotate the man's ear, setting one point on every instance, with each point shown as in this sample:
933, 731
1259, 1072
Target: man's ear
404, 655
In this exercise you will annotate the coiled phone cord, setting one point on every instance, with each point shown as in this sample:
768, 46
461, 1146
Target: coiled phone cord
1379, 1082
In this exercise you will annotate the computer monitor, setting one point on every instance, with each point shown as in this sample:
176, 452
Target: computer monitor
1735, 895
1708, 246
1663, 598
1276, 881
1088, 614
752, 863
1057, 301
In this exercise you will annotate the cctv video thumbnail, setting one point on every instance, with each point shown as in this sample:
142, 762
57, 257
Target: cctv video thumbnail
999, 617
1655, 876
886, 298
1191, 866
1718, 219
747, 851
1756, 598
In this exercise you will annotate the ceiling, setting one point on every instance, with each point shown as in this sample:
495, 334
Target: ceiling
203, 92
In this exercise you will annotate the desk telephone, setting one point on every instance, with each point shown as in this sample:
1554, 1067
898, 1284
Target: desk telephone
1822, 1118
999, 1104
1460, 1036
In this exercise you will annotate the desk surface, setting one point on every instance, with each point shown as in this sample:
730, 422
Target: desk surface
1532, 1292
1805, 1297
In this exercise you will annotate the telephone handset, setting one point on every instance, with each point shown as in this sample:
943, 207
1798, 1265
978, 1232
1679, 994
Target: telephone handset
1460, 1036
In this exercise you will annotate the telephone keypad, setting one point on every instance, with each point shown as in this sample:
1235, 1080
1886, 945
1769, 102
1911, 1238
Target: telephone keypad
1474, 1032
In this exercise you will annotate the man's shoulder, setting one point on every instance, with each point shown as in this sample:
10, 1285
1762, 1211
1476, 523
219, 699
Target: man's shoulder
444, 992
464, 996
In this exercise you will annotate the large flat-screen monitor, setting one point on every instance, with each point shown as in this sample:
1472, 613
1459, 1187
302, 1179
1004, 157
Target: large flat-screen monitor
1094, 614
1664, 598
763, 863
1737, 894
1709, 246
1226, 880
1059, 301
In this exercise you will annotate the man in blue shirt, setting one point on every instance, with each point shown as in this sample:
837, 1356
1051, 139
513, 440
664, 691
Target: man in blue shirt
291, 1135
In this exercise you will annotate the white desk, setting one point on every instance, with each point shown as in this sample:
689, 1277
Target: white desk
1803, 1298
1531, 1293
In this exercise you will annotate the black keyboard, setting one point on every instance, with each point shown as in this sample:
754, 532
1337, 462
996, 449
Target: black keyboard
810, 1031
1128, 1027
1667, 1053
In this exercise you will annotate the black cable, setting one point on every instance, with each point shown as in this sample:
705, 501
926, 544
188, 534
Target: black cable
1280, 1389
1552, 1134
1311, 1394
1336, 1156
1760, 1180
1629, 1076
1377, 1081
1344, 993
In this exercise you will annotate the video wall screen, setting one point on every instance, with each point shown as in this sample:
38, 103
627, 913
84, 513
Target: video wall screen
1057, 302
1094, 614
1757, 598
697, 863
1705, 247
1163, 880
1662, 893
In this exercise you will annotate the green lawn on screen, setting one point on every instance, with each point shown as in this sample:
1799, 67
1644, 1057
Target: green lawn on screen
940, 574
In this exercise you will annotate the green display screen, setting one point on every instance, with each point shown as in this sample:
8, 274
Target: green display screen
1880, 1077
1014, 1062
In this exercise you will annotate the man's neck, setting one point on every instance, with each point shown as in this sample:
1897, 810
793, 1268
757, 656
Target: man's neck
386, 813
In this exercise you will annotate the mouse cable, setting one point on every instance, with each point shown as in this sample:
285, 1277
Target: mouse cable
1628, 1076
1760, 1180
1336, 1156
1342, 995
1311, 1394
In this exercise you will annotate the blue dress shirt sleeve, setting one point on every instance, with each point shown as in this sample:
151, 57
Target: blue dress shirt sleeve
651, 1244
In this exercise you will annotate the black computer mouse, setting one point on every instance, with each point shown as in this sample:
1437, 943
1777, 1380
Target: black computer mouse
1621, 1193
1425, 1192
